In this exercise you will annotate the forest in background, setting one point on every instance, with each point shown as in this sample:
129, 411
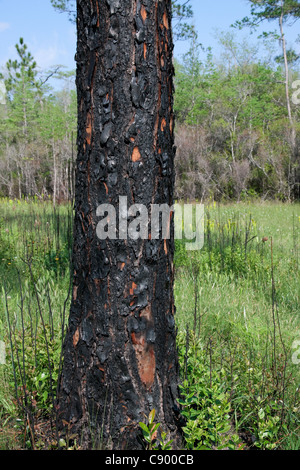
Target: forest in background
37, 131
236, 135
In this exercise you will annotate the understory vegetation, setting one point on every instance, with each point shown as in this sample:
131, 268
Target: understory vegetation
237, 313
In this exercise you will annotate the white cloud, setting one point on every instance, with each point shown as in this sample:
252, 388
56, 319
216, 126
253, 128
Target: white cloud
4, 26
52, 51
48, 55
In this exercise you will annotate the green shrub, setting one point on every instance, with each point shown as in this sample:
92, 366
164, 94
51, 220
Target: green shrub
36, 363
204, 401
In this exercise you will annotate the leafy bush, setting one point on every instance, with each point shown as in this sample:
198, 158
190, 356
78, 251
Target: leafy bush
204, 400
36, 363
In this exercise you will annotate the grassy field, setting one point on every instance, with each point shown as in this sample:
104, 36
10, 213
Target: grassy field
238, 319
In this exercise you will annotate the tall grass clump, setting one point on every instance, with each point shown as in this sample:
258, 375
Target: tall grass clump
36, 241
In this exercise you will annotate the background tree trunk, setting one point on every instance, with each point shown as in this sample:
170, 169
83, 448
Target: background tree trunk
292, 178
120, 350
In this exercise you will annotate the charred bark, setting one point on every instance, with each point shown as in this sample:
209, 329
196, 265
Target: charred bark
120, 349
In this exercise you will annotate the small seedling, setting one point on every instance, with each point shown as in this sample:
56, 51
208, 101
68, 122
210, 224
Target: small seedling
150, 434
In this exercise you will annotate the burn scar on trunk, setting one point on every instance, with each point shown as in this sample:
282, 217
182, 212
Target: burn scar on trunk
145, 358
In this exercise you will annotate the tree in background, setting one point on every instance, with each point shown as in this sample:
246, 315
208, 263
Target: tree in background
282, 11
57, 131
27, 147
22, 88
232, 124
19, 128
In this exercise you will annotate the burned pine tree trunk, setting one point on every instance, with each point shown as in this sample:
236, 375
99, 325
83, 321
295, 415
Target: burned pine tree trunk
120, 349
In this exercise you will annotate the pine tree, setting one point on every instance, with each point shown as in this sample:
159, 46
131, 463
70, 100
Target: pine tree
120, 357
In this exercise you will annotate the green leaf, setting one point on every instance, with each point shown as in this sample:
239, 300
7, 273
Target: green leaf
151, 416
144, 428
155, 428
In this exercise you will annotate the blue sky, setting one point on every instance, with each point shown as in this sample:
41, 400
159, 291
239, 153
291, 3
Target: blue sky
51, 38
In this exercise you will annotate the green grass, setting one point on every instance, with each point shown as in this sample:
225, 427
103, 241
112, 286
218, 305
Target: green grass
237, 315
35, 247
250, 321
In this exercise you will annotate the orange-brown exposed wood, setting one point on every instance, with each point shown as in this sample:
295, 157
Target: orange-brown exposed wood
143, 13
136, 156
